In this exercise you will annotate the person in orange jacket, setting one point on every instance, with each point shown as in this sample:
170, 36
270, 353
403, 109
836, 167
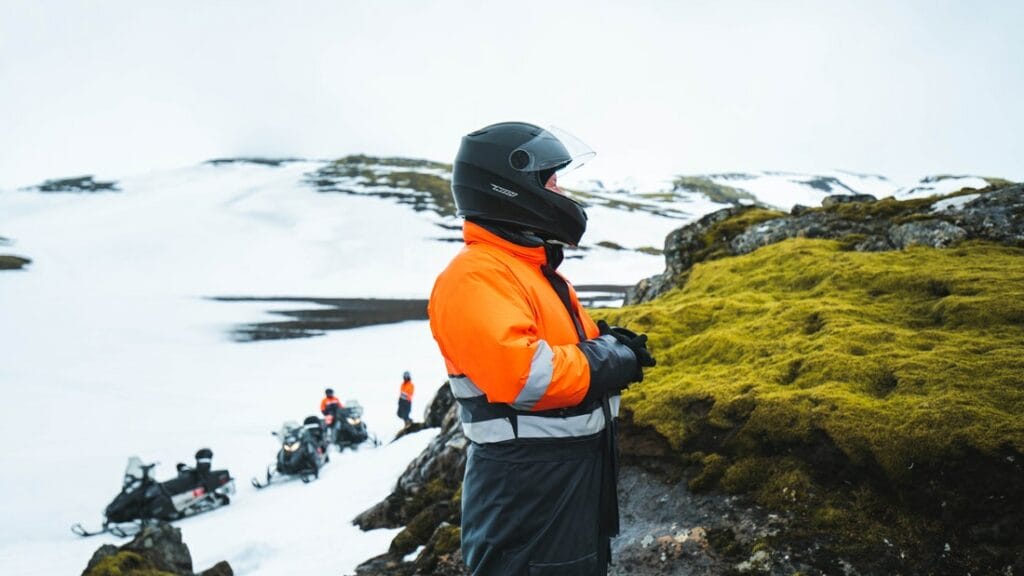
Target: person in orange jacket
405, 398
330, 404
537, 380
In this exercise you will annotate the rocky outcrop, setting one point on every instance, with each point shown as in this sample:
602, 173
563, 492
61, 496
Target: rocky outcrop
156, 549
425, 503
80, 184
859, 221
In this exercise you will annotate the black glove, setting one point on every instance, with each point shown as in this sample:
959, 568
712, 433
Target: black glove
635, 342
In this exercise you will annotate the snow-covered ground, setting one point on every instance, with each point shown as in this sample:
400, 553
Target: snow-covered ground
109, 347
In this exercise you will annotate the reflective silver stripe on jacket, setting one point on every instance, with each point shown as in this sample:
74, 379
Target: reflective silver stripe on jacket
542, 368
529, 426
463, 387
488, 431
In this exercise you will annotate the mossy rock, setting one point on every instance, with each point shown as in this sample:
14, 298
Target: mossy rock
831, 383
441, 549
125, 563
420, 528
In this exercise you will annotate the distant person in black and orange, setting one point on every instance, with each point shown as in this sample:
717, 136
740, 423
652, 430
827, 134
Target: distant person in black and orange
405, 398
330, 404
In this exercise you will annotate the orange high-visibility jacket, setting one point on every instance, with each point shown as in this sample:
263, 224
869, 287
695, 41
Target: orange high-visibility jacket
327, 401
407, 389
510, 345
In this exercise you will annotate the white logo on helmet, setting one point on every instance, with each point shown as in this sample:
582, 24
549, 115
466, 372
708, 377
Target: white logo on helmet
505, 191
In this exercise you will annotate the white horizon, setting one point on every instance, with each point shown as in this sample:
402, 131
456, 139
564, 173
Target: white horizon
117, 87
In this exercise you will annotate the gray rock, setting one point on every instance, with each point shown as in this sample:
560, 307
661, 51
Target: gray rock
934, 233
835, 199
997, 216
161, 544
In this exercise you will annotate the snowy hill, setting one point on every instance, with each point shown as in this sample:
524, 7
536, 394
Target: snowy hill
113, 343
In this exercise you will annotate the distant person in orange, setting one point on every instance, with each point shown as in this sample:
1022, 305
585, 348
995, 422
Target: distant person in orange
330, 404
405, 398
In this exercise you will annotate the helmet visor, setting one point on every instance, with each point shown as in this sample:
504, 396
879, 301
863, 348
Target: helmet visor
553, 148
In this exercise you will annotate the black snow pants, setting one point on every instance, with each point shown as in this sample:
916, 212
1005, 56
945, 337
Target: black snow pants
534, 508
404, 407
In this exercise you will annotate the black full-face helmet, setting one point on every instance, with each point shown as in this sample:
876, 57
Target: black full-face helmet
505, 172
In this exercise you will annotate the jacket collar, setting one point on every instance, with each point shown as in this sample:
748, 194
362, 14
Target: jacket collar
474, 233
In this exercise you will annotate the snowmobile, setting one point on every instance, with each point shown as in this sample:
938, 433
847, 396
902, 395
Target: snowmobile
349, 428
303, 452
143, 499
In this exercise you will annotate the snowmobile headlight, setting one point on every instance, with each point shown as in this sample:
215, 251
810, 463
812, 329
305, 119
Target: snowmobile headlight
353, 421
291, 447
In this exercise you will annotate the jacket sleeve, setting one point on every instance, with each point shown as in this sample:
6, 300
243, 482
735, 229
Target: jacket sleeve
612, 365
485, 326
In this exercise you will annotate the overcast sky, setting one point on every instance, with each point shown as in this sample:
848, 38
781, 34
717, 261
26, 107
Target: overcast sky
903, 89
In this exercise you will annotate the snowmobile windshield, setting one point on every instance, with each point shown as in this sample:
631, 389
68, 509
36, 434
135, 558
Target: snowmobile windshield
132, 474
355, 409
287, 428
553, 148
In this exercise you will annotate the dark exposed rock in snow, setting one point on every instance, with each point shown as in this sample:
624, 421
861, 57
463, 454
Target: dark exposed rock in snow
273, 162
11, 262
77, 184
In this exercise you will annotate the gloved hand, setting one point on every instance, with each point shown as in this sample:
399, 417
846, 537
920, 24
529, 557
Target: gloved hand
635, 342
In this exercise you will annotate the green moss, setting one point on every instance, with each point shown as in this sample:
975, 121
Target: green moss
448, 539
712, 468
125, 563
715, 192
940, 331
779, 369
